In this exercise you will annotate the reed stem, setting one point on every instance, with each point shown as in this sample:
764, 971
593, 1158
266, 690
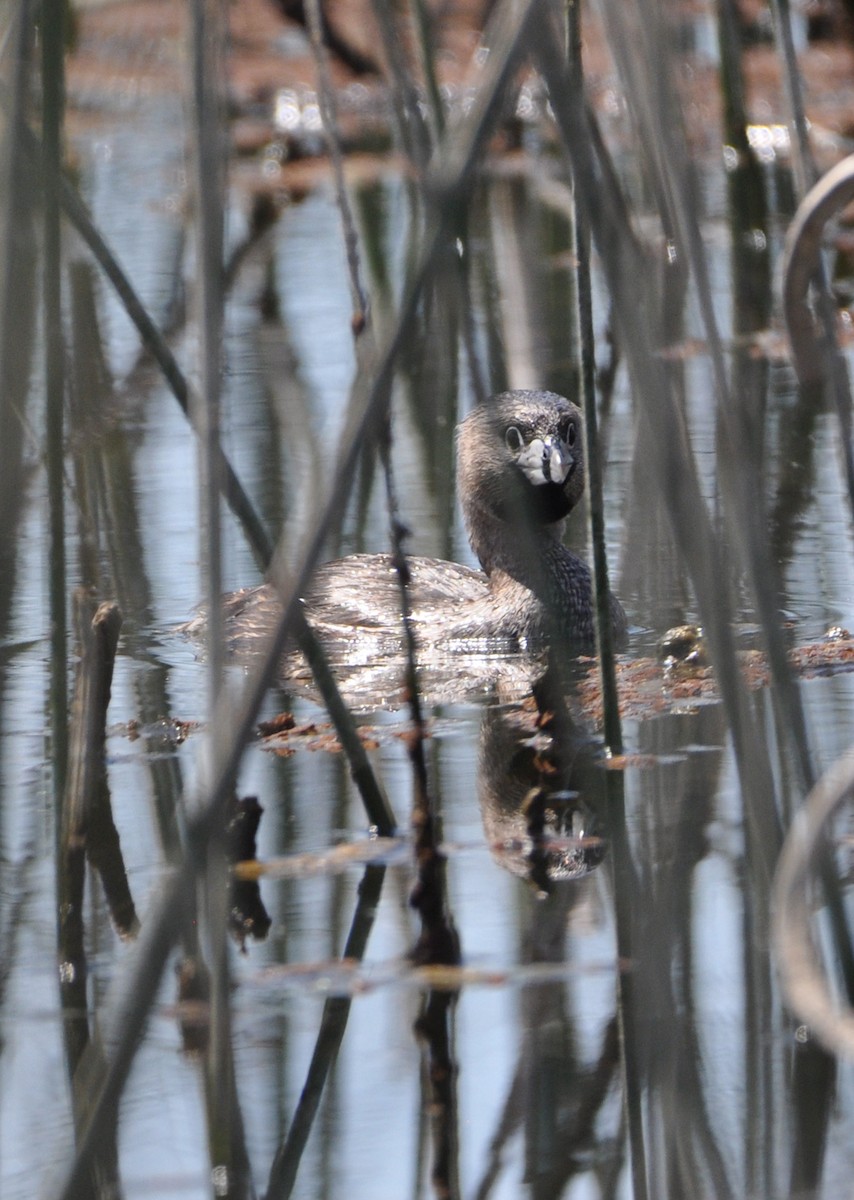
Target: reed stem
53, 106
604, 624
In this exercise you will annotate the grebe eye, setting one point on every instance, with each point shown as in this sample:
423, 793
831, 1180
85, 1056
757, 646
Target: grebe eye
513, 439
570, 434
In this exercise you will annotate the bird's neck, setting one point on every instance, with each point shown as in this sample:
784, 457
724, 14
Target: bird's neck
521, 549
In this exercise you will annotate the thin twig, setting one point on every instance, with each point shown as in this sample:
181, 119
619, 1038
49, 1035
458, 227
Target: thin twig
329, 117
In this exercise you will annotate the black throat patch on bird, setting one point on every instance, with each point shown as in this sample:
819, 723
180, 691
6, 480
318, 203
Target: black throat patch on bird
525, 504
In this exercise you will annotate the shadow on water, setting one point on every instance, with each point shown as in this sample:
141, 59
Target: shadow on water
451, 945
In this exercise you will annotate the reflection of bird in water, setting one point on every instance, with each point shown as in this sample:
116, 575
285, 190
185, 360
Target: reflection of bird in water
541, 791
520, 472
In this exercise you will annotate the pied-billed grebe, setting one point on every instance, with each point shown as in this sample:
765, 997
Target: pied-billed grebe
520, 472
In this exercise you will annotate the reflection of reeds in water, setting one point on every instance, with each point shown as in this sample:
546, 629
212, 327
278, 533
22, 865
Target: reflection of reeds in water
419, 343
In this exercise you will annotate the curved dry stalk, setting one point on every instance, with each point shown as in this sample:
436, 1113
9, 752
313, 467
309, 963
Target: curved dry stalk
804, 852
834, 368
815, 354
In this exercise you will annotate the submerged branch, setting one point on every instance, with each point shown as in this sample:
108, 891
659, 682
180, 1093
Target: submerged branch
87, 821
